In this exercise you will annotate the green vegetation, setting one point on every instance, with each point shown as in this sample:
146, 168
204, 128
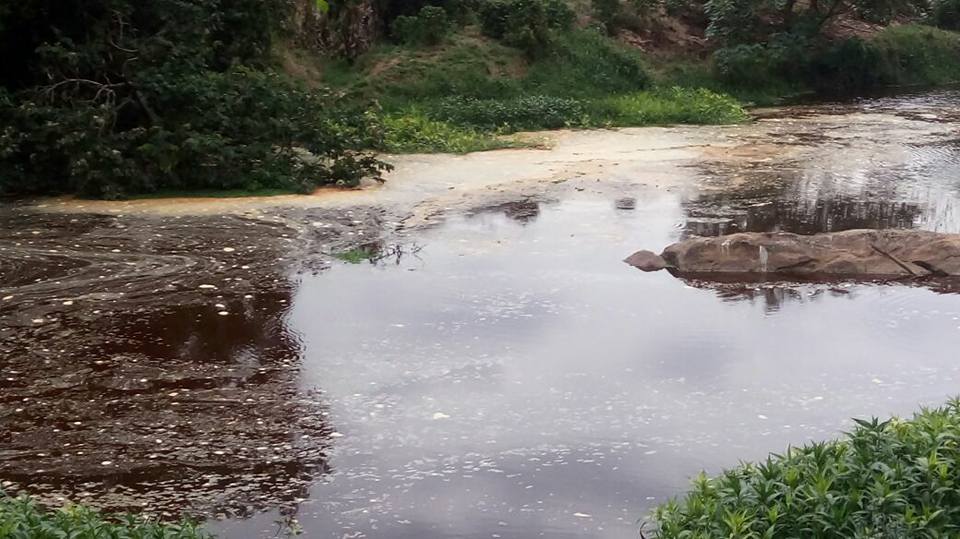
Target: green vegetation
22, 518
466, 94
894, 478
112, 98
412, 132
357, 255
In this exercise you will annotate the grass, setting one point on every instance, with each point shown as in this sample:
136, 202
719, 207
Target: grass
466, 94
674, 105
914, 54
412, 132
886, 479
22, 518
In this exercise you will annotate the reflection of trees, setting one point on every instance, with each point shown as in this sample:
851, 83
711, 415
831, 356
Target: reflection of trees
177, 407
827, 193
773, 294
713, 216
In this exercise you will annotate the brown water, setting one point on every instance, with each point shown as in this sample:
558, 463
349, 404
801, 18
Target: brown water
498, 371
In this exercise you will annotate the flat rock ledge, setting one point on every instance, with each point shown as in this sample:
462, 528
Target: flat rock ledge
848, 254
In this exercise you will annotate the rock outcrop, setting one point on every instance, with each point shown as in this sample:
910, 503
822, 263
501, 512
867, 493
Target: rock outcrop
853, 253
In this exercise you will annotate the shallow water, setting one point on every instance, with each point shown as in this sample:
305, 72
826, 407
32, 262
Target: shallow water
517, 380
498, 371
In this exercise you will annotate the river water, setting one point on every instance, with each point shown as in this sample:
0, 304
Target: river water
494, 370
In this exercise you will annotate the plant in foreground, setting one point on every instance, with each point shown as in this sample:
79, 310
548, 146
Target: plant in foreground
895, 478
22, 518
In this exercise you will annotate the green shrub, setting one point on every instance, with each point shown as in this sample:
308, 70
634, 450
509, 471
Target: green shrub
853, 65
412, 132
895, 479
585, 63
239, 129
945, 14
21, 518
669, 106
607, 12
429, 27
785, 57
122, 97
525, 24
526, 112
916, 54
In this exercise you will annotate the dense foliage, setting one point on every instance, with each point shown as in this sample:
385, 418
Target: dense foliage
894, 478
905, 54
21, 518
428, 27
526, 24
107, 97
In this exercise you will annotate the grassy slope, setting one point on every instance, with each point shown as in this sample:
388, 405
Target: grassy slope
466, 93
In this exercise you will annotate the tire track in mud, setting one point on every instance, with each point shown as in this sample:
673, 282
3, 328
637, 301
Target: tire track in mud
145, 364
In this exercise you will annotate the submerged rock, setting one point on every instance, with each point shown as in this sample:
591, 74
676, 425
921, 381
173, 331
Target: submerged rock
853, 253
646, 261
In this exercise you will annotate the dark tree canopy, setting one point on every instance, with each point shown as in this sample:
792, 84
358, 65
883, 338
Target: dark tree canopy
106, 97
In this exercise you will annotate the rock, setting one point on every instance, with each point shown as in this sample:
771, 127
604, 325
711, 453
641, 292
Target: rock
853, 253
646, 261
627, 203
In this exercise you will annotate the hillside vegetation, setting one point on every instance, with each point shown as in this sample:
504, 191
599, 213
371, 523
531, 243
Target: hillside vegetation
109, 98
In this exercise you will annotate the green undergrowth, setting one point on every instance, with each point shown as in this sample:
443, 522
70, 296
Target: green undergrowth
22, 518
412, 132
468, 92
919, 55
886, 479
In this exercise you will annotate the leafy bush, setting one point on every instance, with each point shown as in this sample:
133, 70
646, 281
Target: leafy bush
239, 129
853, 65
784, 57
894, 478
429, 27
21, 518
525, 24
916, 54
412, 133
607, 12
585, 63
109, 97
946, 14
526, 112
669, 106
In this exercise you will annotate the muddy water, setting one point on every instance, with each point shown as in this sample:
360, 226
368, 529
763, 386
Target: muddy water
495, 371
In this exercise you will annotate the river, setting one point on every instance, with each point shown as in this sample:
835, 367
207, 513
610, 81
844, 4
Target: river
494, 369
